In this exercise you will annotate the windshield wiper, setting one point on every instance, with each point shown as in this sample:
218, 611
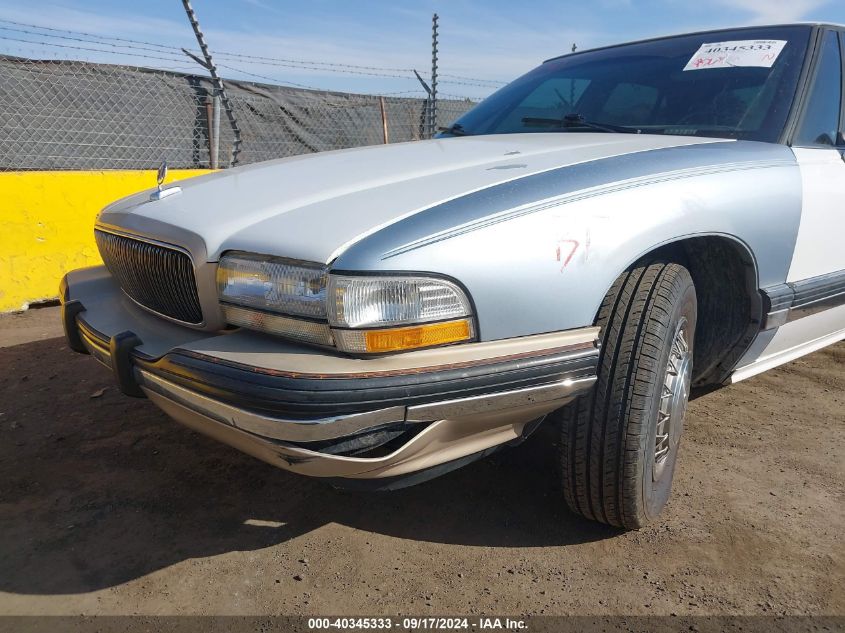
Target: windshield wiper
577, 120
456, 130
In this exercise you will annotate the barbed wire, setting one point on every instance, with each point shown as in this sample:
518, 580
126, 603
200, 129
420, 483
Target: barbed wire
257, 58
458, 97
177, 63
130, 43
475, 79
403, 92
30, 55
87, 41
164, 52
266, 78
331, 68
94, 50
180, 65
473, 84
103, 37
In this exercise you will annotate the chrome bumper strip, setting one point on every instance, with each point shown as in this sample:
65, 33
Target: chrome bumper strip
284, 429
313, 430
488, 403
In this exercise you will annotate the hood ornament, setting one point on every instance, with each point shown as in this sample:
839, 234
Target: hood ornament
160, 193
162, 173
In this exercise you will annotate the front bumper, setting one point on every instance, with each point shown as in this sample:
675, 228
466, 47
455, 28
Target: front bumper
319, 413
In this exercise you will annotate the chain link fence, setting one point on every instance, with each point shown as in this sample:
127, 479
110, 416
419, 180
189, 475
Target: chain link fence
71, 115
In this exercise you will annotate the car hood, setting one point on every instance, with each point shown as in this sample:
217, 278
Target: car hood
315, 206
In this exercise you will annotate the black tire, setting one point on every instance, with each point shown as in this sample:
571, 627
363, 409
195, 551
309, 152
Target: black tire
611, 469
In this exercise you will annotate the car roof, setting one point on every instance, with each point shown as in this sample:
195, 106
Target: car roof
704, 32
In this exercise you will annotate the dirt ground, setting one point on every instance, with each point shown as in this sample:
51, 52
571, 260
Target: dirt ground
108, 507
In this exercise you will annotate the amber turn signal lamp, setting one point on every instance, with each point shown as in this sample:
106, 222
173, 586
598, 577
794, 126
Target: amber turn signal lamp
428, 335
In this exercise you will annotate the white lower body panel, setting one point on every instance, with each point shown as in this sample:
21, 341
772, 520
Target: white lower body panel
796, 339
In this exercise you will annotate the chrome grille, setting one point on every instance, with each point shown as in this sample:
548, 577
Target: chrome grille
157, 277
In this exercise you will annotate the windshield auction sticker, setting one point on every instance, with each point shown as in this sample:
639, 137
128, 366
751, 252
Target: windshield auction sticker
742, 53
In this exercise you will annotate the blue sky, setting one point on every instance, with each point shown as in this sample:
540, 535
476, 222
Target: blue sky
492, 40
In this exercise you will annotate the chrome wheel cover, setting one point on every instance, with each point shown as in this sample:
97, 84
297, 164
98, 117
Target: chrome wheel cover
673, 400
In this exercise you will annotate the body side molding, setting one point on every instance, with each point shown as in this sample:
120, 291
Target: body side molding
790, 301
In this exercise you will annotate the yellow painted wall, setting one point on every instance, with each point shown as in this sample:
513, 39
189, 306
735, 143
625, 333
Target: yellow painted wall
47, 225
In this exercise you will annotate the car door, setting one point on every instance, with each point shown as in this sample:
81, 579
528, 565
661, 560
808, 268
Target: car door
819, 146
812, 301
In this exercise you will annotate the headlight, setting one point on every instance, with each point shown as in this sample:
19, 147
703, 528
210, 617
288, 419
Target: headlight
357, 314
257, 292
388, 314
273, 283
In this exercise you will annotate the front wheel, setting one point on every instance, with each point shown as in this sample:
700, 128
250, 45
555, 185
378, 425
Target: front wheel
619, 445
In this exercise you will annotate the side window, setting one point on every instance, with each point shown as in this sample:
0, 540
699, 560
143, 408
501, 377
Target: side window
821, 116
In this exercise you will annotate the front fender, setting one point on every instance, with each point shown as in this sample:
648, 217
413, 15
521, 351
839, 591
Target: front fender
545, 264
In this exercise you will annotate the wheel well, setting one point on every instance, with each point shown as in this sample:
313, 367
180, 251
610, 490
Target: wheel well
729, 304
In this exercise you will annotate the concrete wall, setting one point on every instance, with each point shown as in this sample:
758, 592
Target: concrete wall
47, 222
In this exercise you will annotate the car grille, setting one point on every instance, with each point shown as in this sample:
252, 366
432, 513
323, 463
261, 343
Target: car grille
157, 277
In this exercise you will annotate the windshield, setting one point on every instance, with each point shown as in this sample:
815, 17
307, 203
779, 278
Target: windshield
730, 84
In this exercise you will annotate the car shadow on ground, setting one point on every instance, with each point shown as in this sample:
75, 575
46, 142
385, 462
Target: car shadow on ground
98, 488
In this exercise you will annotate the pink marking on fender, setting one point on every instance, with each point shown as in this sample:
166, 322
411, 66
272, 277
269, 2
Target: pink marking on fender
572, 250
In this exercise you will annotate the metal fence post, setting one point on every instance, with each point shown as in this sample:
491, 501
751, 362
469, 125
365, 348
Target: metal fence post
384, 121
212, 117
433, 109
215, 80
425, 115
215, 131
